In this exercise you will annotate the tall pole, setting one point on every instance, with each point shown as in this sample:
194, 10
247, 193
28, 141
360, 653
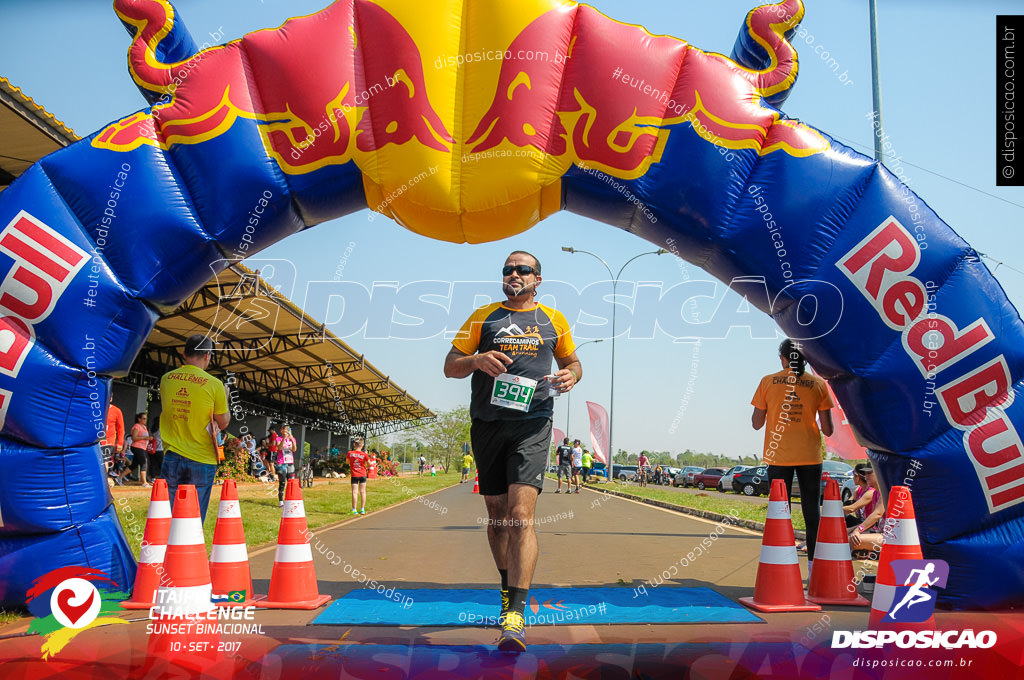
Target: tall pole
876, 87
611, 396
568, 396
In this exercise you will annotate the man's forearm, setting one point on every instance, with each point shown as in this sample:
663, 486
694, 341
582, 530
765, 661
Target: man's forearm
459, 367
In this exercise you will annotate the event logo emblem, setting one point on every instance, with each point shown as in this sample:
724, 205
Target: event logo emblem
914, 601
69, 600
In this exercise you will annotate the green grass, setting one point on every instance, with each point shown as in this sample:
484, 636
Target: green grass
328, 501
7, 616
709, 501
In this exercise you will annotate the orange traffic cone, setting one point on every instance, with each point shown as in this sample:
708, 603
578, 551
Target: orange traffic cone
184, 596
900, 542
293, 580
154, 545
229, 559
779, 586
476, 483
832, 580
185, 588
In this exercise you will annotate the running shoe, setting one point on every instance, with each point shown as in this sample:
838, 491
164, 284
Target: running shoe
558, 491
354, 512
363, 511
513, 633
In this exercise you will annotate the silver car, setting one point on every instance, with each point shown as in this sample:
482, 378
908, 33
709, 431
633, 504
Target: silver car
725, 483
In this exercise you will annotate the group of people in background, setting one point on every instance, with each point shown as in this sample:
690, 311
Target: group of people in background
573, 464
134, 455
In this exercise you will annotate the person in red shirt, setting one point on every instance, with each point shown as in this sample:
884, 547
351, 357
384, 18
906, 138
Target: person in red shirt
358, 463
113, 436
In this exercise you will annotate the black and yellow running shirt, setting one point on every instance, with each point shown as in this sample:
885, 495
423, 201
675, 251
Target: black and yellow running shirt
532, 338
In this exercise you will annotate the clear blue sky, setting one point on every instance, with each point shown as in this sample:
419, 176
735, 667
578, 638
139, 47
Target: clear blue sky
938, 80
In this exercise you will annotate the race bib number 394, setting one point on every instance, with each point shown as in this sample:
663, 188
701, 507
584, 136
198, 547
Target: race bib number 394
513, 391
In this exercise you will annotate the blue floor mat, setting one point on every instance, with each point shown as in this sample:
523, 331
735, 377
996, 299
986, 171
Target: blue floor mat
546, 606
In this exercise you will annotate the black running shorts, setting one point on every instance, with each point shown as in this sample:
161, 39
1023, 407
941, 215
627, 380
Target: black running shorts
510, 452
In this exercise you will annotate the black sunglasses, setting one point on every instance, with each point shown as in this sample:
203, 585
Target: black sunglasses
521, 269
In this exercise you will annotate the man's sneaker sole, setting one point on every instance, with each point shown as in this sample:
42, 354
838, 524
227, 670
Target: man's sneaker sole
511, 644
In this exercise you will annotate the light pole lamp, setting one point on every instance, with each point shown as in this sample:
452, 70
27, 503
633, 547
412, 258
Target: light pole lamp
611, 395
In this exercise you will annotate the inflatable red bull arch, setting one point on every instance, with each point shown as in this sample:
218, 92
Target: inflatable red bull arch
549, 106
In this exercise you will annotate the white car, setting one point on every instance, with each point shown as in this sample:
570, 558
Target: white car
725, 483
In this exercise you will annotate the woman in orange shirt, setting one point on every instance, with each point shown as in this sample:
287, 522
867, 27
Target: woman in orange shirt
793, 403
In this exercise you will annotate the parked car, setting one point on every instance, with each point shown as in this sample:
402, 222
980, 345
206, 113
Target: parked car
842, 473
725, 483
625, 473
752, 481
670, 474
709, 477
685, 476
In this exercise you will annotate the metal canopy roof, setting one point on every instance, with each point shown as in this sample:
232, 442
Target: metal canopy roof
280, 360
28, 132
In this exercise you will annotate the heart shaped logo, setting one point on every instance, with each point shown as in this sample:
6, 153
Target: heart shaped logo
75, 603
73, 612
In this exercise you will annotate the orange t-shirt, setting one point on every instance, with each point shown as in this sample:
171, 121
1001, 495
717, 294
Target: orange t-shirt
791, 434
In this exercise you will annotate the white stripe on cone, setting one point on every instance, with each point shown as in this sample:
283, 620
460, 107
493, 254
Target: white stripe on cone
902, 532
293, 509
229, 510
186, 531
293, 553
152, 554
832, 509
778, 510
883, 597
229, 552
159, 510
836, 552
778, 554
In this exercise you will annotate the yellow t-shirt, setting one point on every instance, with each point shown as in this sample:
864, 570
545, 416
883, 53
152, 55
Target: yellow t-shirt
467, 461
791, 434
190, 397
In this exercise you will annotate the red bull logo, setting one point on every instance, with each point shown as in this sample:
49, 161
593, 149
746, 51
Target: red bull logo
308, 117
620, 89
607, 100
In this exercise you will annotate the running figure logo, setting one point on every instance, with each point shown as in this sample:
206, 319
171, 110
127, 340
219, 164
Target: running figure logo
914, 601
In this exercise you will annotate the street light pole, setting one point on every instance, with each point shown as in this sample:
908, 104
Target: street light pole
876, 86
611, 395
568, 396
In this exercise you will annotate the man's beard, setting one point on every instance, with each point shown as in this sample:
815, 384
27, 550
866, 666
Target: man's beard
512, 291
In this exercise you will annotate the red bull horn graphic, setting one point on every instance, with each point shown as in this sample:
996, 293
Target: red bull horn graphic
296, 104
377, 105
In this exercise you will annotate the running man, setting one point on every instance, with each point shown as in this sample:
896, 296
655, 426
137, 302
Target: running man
467, 463
563, 459
508, 348
915, 595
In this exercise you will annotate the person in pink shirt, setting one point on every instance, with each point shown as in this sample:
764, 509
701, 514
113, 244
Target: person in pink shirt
642, 464
285, 446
